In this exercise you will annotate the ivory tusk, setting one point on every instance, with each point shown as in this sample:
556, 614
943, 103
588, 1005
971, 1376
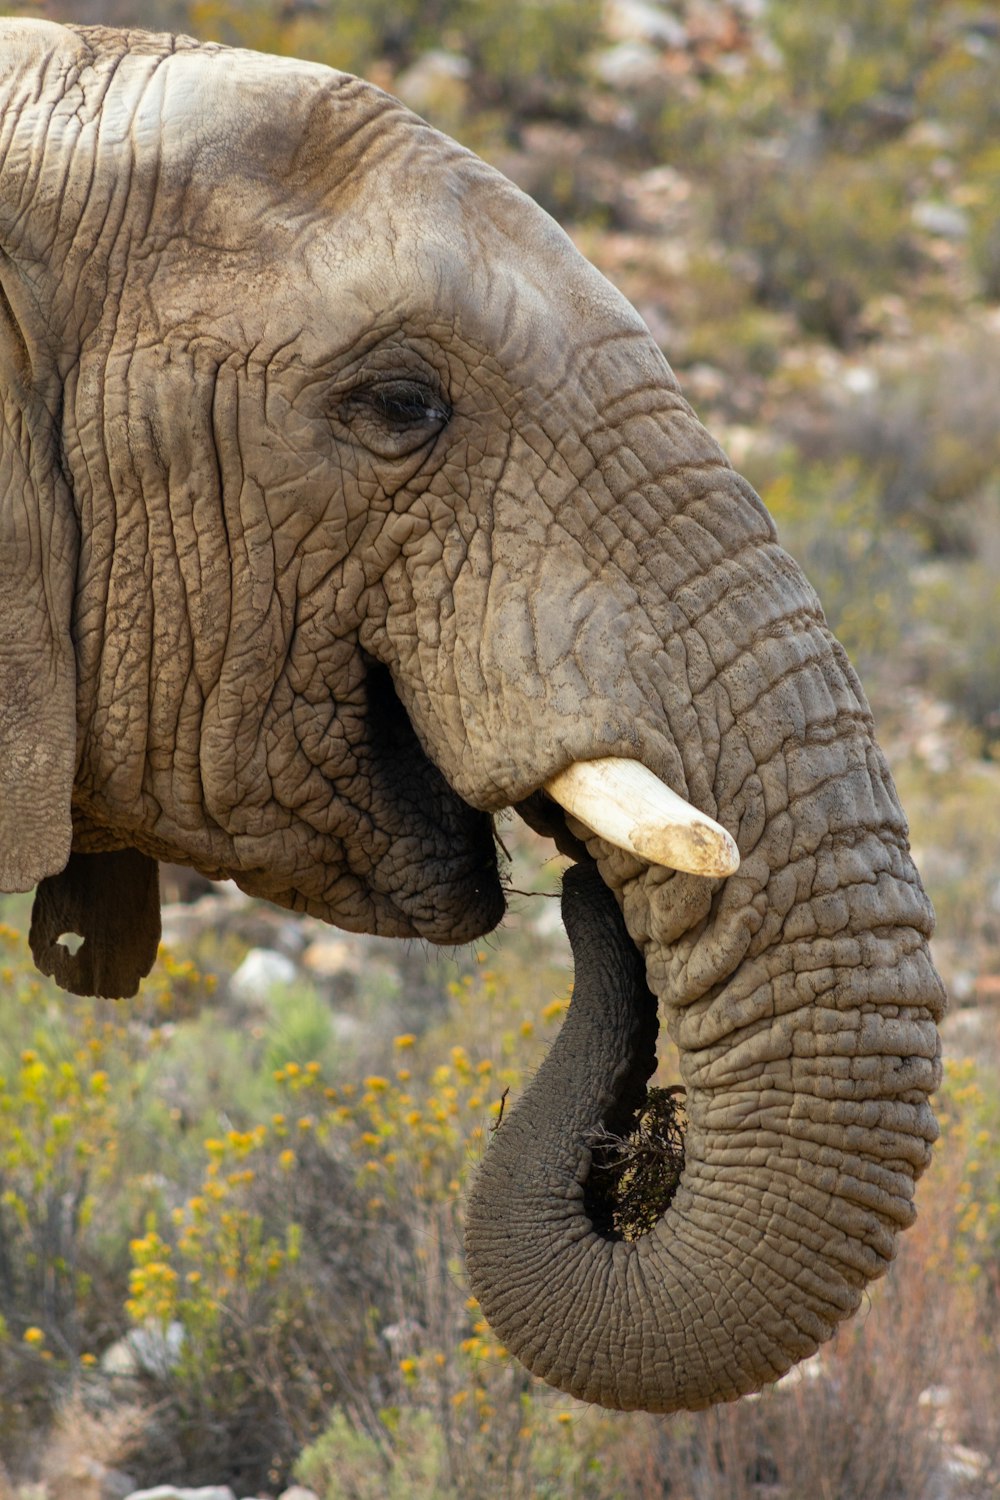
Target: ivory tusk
626, 804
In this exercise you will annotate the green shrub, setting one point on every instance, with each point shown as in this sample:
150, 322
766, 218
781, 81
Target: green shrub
960, 607
525, 53
346, 1463
829, 517
929, 436
846, 60
982, 196
74, 1160
822, 243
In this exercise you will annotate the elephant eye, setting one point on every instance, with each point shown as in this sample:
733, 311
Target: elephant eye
396, 417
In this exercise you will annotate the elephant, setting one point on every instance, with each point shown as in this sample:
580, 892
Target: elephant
345, 505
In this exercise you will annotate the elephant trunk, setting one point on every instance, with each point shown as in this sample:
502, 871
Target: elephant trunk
807, 1072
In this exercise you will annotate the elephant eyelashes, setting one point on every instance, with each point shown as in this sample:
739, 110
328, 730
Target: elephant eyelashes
396, 417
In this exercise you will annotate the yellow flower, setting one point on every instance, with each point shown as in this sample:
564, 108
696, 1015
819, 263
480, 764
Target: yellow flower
404, 1041
34, 1337
88, 1359
376, 1083
408, 1366
527, 1028
565, 1417
286, 1160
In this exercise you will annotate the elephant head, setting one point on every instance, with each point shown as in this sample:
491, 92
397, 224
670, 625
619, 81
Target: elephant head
344, 504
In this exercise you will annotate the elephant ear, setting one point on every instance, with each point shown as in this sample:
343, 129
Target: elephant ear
39, 542
111, 901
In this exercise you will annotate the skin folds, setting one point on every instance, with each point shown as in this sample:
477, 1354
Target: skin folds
345, 504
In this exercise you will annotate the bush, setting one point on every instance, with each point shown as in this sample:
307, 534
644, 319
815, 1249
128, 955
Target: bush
73, 1159
829, 517
961, 607
929, 435
983, 193
849, 62
316, 1263
822, 243
525, 54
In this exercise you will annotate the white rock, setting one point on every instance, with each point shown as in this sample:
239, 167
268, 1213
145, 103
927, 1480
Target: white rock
298, 1492
403, 1336
145, 1351
860, 380
643, 21
935, 1396
628, 65
260, 972
966, 1463
171, 1492
941, 219
433, 76
82, 1478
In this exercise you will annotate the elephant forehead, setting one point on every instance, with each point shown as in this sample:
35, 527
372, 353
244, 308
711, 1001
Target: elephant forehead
456, 253
27, 41
243, 106
335, 211
367, 192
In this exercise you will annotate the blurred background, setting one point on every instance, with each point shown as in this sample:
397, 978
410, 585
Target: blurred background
230, 1212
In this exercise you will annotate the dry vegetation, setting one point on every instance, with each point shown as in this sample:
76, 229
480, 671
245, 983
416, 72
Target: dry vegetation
804, 203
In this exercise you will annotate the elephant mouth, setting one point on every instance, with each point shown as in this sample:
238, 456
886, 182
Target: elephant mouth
458, 894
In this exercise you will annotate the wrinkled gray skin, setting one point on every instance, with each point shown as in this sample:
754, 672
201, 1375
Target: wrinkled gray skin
343, 503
